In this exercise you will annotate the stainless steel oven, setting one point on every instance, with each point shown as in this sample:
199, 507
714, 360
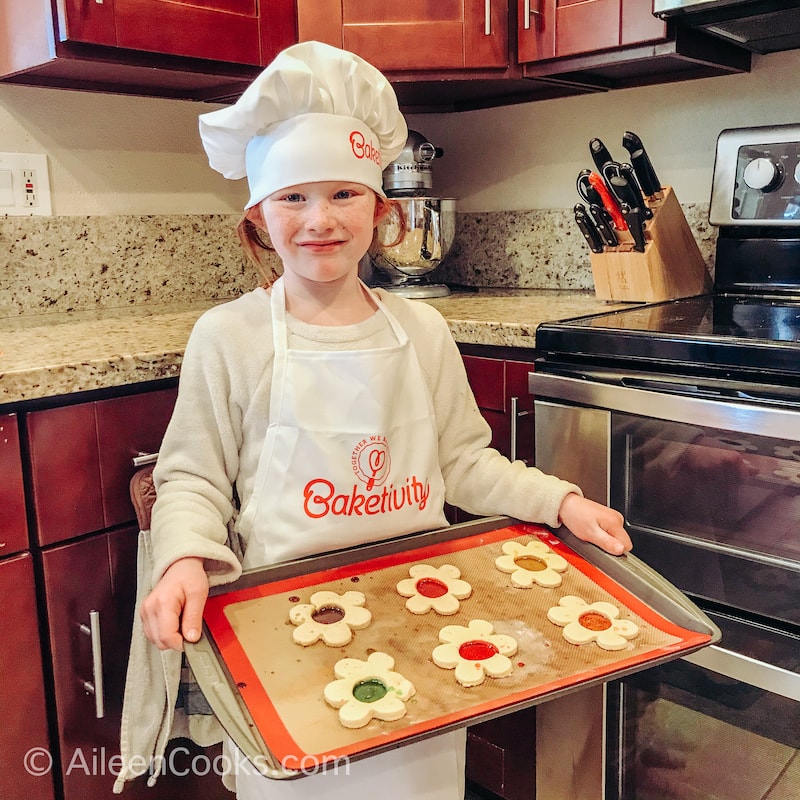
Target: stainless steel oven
686, 417
710, 491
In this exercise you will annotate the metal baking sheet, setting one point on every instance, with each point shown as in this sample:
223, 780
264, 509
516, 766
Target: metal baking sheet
268, 691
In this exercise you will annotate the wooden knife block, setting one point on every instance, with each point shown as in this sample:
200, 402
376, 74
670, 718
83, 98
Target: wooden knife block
670, 267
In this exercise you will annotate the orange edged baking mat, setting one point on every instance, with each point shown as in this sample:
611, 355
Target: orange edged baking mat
281, 684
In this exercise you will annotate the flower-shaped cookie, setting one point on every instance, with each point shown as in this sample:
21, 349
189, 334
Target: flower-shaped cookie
474, 651
329, 616
584, 623
437, 588
789, 472
531, 563
368, 690
793, 451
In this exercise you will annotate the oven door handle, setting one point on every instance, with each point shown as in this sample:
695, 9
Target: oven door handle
671, 407
749, 670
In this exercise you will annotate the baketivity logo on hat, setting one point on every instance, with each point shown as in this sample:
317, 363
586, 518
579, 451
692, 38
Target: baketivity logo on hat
364, 149
371, 462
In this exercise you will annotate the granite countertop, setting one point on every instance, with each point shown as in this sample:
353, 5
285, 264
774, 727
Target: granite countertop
54, 354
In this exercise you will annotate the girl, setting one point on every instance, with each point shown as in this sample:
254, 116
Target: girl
315, 389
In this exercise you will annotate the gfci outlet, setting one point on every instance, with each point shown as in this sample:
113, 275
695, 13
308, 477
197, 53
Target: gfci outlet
24, 185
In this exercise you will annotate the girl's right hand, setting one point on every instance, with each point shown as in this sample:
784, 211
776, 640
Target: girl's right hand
173, 611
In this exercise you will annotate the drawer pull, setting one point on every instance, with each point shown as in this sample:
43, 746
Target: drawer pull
487, 17
527, 13
516, 414
95, 686
143, 459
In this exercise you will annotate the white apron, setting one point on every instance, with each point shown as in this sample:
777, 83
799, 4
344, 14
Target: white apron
351, 451
350, 456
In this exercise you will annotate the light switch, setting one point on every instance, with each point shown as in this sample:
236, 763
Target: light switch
6, 188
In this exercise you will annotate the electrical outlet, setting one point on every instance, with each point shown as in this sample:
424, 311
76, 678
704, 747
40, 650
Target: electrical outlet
24, 185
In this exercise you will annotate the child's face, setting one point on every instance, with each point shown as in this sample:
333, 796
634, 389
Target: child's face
321, 230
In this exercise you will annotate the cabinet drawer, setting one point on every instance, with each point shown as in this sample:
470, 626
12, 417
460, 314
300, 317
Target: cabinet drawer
21, 689
13, 527
487, 378
81, 461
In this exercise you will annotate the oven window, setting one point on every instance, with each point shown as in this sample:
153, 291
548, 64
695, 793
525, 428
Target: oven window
718, 513
687, 733
743, 491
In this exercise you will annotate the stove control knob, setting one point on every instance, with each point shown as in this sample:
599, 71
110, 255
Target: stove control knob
763, 174
797, 173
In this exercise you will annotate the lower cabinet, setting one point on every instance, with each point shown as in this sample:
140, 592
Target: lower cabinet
24, 739
90, 588
501, 753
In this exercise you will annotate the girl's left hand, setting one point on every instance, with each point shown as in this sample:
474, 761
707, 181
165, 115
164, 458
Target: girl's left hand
595, 523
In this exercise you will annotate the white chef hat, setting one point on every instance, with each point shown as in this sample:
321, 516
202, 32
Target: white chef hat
316, 113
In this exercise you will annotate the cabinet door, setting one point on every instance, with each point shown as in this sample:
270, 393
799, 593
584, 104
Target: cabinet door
222, 30
584, 26
81, 460
98, 575
536, 29
24, 740
638, 23
65, 469
13, 527
127, 427
415, 35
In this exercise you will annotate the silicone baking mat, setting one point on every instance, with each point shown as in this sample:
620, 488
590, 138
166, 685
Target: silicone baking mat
282, 683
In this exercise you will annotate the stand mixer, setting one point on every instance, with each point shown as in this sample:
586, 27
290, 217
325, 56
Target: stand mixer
430, 226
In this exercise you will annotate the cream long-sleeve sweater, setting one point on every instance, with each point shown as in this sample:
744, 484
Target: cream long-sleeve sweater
217, 431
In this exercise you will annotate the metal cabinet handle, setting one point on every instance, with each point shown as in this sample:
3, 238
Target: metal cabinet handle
515, 415
95, 686
143, 459
487, 17
527, 13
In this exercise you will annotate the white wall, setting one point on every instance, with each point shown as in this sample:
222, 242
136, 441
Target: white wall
111, 154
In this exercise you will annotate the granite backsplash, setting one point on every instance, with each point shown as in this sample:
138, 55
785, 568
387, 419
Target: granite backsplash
79, 263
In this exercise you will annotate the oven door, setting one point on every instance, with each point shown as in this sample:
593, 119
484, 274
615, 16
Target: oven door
710, 491
685, 731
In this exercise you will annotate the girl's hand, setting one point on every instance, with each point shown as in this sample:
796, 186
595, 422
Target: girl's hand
595, 523
173, 611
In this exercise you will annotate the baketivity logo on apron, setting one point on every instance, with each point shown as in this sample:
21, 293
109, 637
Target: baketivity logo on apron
370, 461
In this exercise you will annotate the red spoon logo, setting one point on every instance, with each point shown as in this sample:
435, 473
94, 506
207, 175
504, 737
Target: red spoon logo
371, 462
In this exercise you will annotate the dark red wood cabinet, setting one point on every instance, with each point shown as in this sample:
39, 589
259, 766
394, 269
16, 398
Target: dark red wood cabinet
501, 753
80, 462
196, 49
13, 525
415, 35
24, 738
607, 44
500, 387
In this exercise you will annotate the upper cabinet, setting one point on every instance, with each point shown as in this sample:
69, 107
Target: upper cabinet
447, 55
607, 44
197, 49
414, 35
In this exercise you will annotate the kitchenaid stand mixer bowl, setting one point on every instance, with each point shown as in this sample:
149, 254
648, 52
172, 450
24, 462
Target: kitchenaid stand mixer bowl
430, 228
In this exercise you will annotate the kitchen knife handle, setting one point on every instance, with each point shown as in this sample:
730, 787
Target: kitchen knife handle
588, 229
602, 221
630, 175
633, 216
642, 165
585, 188
600, 154
609, 202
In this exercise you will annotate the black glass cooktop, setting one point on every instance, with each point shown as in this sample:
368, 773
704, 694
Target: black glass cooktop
712, 331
